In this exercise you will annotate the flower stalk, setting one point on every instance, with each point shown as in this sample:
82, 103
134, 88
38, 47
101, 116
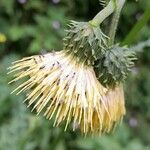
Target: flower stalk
103, 14
115, 20
113, 6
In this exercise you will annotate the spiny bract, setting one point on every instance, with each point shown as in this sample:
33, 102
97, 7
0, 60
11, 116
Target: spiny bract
113, 67
85, 41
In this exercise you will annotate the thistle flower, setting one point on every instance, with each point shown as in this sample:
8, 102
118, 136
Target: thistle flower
70, 86
68, 91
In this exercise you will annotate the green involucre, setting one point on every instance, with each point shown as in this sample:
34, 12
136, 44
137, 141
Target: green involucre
85, 41
113, 67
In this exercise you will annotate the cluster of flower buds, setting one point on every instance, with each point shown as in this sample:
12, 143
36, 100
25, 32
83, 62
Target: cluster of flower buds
90, 45
82, 84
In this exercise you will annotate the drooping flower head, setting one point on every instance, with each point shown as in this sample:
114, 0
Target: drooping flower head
63, 85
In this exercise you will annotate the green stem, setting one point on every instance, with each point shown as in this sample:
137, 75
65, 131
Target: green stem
103, 14
115, 20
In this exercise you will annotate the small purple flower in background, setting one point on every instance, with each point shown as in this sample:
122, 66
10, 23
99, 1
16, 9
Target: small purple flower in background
133, 122
22, 1
56, 25
55, 1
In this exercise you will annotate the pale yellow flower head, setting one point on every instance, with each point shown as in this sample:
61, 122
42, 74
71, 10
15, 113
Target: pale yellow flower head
62, 88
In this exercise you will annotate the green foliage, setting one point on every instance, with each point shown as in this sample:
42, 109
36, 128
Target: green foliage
137, 27
28, 26
32, 25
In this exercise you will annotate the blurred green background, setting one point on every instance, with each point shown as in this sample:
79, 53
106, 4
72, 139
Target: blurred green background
30, 27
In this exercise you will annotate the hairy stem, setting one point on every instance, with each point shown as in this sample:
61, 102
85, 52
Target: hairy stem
103, 14
115, 20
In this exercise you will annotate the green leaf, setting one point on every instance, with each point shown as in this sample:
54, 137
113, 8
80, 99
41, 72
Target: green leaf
7, 6
131, 37
17, 32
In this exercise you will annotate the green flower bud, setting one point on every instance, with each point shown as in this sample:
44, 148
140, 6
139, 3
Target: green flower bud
85, 41
114, 66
